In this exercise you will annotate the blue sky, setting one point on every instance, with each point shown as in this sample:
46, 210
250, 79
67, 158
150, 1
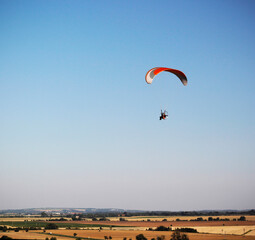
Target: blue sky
79, 125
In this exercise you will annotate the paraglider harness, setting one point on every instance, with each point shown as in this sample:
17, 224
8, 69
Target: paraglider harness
163, 115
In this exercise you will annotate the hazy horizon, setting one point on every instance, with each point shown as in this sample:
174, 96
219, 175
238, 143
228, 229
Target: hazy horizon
121, 209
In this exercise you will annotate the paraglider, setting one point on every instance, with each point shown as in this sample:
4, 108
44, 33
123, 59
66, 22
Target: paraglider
154, 71
163, 115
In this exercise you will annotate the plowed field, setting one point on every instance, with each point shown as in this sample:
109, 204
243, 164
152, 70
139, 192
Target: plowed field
151, 224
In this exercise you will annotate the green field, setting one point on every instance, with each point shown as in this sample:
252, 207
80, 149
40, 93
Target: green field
41, 224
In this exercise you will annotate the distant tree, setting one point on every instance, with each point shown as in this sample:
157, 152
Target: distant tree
75, 234
178, 236
185, 237
141, 237
58, 219
51, 226
44, 214
5, 237
3, 228
162, 237
105, 237
110, 237
193, 230
242, 218
162, 228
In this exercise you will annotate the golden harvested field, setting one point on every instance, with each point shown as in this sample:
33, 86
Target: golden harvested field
251, 233
236, 230
119, 235
129, 234
22, 235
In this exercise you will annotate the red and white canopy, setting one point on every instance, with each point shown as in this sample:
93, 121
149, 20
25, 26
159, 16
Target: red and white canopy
154, 71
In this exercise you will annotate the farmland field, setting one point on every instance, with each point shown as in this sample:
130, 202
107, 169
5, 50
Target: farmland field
22, 219
153, 224
182, 218
116, 235
237, 230
207, 230
129, 234
65, 224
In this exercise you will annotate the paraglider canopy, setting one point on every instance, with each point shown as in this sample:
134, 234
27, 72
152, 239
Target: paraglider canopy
154, 71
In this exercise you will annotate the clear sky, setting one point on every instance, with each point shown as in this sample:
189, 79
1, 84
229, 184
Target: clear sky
79, 125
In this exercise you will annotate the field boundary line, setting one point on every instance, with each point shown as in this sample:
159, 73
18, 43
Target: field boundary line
247, 232
68, 236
